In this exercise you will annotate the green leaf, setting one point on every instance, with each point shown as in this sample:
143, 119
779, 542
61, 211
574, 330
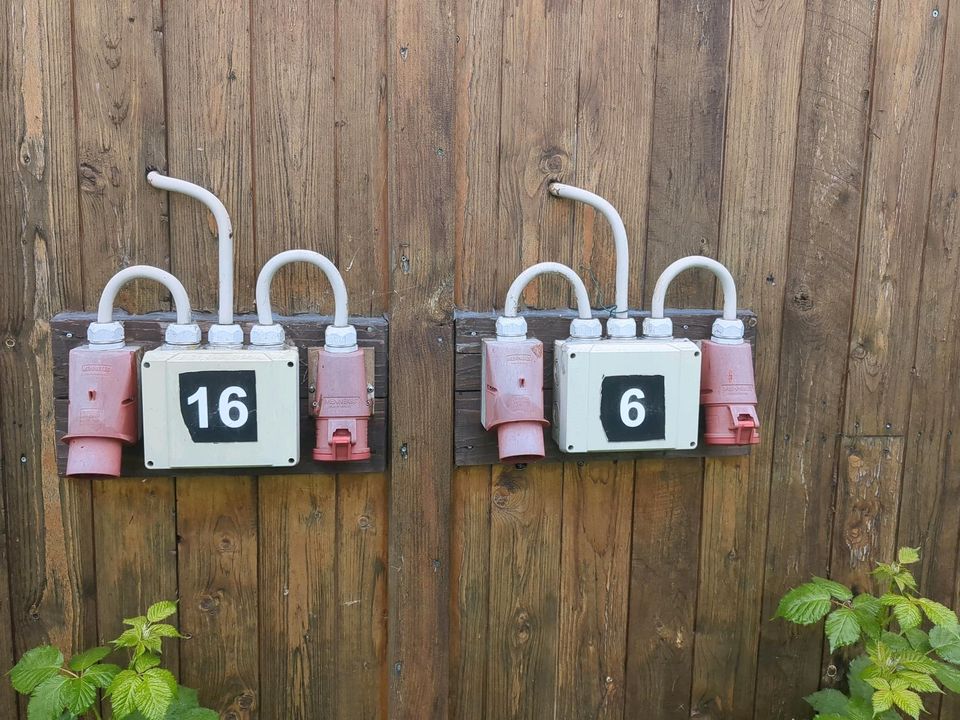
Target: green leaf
129, 638
121, 693
842, 627
858, 686
186, 706
908, 701
101, 675
894, 641
937, 613
164, 630
45, 703
840, 592
155, 692
867, 603
137, 622
905, 581
945, 639
78, 694
84, 660
859, 709
805, 604
161, 610
916, 661
949, 676
145, 662
908, 555
906, 613
828, 701
921, 682
918, 639
35, 667
882, 698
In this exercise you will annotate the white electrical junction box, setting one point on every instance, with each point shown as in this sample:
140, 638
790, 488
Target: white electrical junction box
612, 396
220, 407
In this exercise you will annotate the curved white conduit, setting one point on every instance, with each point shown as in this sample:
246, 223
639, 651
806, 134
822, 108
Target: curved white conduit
144, 272
619, 237
523, 279
265, 280
696, 261
224, 235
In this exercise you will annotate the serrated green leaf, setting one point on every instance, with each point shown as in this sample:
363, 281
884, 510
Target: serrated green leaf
155, 693
78, 694
35, 667
907, 614
945, 639
165, 631
121, 693
908, 701
805, 604
894, 642
904, 580
937, 613
128, 638
840, 592
916, 661
949, 676
842, 628
828, 701
859, 709
882, 698
858, 686
831, 716
922, 682
908, 555
90, 657
867, 603
45, 703
101, 675
918, 639
161, 610
145, 662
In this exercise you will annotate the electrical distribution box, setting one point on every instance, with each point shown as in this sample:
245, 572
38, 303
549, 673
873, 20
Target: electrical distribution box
632, 395
220, 407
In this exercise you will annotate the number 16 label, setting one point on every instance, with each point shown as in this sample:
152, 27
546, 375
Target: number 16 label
632, 408
219, 406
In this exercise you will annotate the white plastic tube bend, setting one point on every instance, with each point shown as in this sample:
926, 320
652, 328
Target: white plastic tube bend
696, 261
523, 279
619, 237
265, 280
224, 235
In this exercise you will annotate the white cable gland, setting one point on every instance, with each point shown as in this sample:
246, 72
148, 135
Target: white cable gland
657, 327
225, 335
511, 328
622, 328
586, 329
340, 339
727, 331
101, 334
182, 334
265, 335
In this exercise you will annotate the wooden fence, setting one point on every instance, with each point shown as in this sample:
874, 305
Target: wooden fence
811, 146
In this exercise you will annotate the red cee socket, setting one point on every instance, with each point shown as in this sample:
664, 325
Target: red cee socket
103, 409
342, 409
513, 397
728, 394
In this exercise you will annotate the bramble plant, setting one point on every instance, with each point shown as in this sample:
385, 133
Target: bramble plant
911, 644
143, 691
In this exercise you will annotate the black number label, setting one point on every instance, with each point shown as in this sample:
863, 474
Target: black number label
219, 406
632, 408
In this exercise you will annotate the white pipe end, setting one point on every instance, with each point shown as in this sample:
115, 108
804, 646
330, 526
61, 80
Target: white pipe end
622, 328
511, 328
109, 333
658, 328
267, 335
582, 329
225, 335
182, 334
340, 338
727, 331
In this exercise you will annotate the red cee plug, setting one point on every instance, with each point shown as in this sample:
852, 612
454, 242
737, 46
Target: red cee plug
728, 394
513, 397
103, 409
342, 409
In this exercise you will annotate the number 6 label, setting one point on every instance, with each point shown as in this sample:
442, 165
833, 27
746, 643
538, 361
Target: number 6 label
632, 408
219, 406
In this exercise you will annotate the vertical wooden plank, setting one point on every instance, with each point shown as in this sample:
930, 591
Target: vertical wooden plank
297, 596
293, 145
524, 593
470, 582
421, 44
538, 116
217, 529
48, 519
663, 586
757, 177
594, 585
834, 115
687, 153
207, 63
896, 198
361, 639
8, 698
361, 154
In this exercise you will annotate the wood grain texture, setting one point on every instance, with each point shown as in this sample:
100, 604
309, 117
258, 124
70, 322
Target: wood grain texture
761, 131
523, 629
421, 47
217, 533
207, 71
831, 142
663, 584
594, 587
470, 589
297, 596
8, 655
48, 521
906, 91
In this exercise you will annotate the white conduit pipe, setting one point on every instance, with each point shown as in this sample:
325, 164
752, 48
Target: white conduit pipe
523, 279
619, 237
224, 235
696, 261
265, 280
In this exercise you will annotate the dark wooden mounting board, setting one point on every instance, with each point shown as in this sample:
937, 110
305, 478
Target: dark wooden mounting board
69, 330
475, 446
